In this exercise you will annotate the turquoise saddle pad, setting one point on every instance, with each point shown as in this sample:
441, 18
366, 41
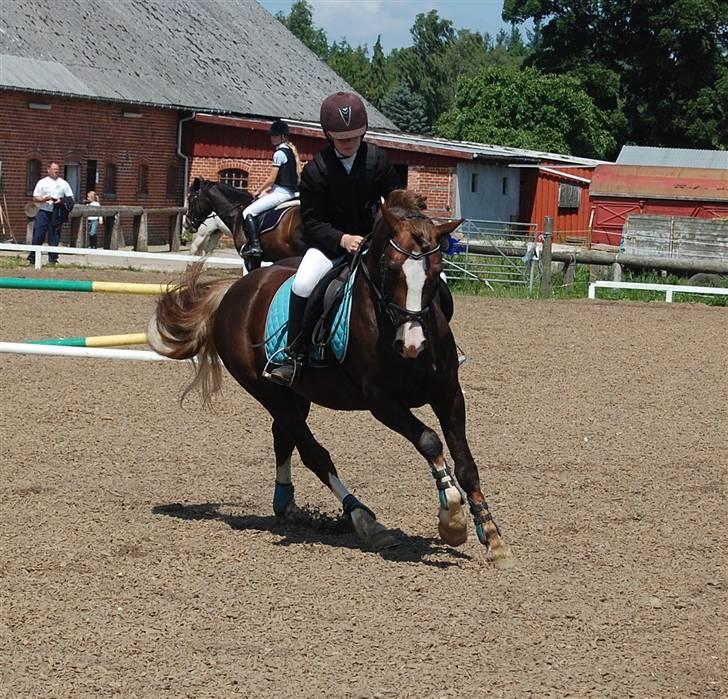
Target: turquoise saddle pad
276, 325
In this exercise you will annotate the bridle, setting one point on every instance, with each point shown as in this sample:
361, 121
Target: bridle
397, 314
190, 222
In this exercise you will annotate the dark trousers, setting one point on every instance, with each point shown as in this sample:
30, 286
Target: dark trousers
43, 227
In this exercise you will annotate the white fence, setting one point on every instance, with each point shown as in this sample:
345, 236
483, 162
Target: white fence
218, 261
668, 289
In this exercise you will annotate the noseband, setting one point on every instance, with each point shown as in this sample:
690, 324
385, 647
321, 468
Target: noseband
396, 314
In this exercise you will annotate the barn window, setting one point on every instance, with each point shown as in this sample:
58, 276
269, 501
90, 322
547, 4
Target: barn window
110, 183
234, 177
474, 182
504, 186
33, 175
143, 181
569, 196
172, 182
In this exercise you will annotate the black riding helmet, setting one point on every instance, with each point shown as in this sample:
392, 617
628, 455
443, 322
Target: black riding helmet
278, 128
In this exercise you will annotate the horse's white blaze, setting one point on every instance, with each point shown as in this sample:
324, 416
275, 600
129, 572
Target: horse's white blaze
410, 333
283, 471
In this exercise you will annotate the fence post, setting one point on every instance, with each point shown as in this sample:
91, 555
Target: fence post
117, 236
175, 228
141, 232
548, 229
78, 232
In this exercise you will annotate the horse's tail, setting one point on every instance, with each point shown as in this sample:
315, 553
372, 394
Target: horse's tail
182, 328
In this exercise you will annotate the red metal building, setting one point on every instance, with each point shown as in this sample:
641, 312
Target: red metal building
620, 190
561, 192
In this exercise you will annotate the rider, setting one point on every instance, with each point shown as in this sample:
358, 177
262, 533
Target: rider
280, 185
340, 194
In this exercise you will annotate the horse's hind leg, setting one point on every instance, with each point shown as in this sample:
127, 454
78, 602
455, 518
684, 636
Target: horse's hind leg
283, 445
289, 413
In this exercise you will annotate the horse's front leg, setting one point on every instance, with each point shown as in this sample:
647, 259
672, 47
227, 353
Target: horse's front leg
450, 411
452, 522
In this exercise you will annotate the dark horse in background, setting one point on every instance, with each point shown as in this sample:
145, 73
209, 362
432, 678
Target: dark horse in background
401, 355
206, 197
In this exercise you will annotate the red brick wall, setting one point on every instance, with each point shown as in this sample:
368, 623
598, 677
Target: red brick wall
210, 168
76, 130
438, 185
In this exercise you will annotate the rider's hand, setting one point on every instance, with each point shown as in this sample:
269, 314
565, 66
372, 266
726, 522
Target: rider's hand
351, 243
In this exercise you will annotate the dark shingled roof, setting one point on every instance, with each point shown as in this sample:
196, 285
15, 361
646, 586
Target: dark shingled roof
213, 55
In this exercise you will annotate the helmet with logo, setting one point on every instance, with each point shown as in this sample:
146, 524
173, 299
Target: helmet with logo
278, 128
343, 115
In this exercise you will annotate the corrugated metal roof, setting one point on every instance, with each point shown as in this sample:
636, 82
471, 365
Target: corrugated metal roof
633, 181
208, 55
465, 150
673, 157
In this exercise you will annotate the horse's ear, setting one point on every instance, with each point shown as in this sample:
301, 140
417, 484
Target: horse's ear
195, 184
448, 227
390, 218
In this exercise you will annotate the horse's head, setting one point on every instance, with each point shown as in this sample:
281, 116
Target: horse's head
408, 246
198, 205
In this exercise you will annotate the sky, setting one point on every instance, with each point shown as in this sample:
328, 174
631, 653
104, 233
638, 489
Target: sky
359, 21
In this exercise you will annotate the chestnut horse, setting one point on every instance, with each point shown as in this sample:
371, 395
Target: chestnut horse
206, 197
401, 355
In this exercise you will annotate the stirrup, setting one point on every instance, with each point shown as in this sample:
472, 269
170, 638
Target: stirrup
248, 250
462, 358
279, 372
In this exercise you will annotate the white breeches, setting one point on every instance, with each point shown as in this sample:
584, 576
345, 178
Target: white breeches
268, 201
312, 269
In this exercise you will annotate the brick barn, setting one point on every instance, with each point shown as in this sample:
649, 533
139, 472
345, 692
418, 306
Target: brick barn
134, 99
109, 90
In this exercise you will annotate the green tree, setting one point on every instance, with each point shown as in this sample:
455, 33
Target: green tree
654, 66
406, 109
299, 22
352, 64
422, 66
379, 82
527, 109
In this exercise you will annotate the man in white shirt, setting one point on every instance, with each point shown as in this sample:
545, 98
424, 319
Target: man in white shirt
48, 193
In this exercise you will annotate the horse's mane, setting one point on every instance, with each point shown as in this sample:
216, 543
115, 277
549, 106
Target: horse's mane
406, 200
401, 203
239, 196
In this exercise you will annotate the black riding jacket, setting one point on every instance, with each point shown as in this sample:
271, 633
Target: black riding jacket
334, 202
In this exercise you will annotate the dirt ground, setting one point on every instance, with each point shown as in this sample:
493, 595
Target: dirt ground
139, 556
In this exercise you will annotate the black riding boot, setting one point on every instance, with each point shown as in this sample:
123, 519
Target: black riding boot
252, 247
297, 344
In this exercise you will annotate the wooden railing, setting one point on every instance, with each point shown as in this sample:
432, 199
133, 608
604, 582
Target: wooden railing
113, 235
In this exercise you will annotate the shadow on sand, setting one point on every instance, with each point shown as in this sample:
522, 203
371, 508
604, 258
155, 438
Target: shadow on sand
313, 526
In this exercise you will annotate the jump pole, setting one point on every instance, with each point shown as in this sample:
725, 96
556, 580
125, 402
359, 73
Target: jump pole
94, 341
95, 352
87, 286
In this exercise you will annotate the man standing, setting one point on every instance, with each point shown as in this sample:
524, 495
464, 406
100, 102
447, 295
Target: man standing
51, 191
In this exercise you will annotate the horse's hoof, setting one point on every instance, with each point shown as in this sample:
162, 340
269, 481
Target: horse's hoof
452, 522
501, 557
383, 540
290, 511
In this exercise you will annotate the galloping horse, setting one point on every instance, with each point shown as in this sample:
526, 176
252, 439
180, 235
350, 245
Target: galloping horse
401, 355
204, 197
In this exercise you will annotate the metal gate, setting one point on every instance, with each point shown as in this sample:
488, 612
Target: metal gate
492, 269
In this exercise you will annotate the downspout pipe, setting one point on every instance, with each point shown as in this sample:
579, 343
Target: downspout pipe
182, 155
